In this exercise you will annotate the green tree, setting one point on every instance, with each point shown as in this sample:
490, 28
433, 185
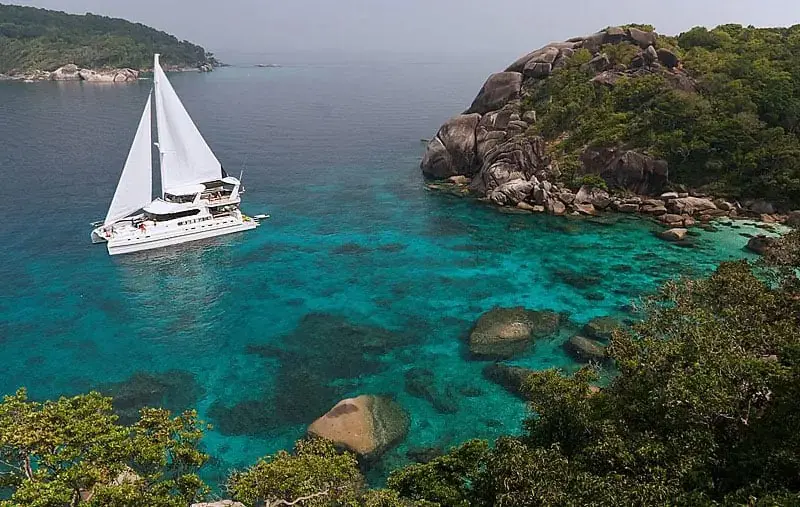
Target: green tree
72, 452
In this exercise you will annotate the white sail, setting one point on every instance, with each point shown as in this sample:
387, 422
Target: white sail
135, 187
186, 158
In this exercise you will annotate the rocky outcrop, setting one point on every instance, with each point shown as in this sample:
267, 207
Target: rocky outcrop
519, 158
109, 76
452, 151
502, 333
367, 425
627, 170
499, 90
69, 72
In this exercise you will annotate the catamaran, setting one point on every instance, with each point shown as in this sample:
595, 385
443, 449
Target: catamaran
198, 199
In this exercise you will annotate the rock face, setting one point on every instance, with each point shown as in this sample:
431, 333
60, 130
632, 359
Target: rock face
452, 151
502, 333
366, 425
499, 90
627, 170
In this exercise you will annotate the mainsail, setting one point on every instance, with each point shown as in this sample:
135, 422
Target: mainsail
186, 158
135, 187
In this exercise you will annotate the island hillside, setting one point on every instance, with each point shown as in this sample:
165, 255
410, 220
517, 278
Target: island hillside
709, 112
34, 39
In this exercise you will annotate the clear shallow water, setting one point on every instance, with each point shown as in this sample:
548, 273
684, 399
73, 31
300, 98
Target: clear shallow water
360, 275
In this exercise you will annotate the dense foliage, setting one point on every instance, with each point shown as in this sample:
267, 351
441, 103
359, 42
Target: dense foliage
41, 39
73, 452
705, 409
728, 121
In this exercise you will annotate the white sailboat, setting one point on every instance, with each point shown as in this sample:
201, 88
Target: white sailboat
198, 200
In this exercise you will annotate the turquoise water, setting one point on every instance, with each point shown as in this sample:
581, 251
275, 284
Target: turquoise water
360, 275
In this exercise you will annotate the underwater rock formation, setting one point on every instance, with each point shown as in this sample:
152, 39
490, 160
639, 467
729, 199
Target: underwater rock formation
601, 328
175, 390
421, 383
586, 350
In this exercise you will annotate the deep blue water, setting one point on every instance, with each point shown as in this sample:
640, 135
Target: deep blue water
360, 275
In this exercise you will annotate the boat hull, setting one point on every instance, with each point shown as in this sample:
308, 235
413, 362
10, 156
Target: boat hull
131, 245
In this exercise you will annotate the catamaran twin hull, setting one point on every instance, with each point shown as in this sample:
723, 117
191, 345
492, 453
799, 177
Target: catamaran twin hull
198, 200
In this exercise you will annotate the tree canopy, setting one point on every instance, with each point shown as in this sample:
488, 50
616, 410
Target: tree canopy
728, 122
32, 38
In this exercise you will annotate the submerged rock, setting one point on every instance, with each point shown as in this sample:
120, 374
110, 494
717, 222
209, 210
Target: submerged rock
219, 503
760, 244
421, 383
585, 349
175, 390
367, 425
503, 333
601, 328
511, 378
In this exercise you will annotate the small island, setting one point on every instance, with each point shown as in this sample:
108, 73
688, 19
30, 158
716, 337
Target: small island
685, 129
39, 44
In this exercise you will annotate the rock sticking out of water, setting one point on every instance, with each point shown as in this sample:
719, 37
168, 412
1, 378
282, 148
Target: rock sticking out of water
367, 425
503, 333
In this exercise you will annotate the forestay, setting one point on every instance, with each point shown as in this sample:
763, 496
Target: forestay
135, 187
186, 158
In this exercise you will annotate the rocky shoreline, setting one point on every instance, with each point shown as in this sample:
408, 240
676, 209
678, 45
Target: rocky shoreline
492, 151
72, 72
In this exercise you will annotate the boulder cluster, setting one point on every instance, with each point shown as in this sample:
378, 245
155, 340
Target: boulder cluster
72, 72
489, 144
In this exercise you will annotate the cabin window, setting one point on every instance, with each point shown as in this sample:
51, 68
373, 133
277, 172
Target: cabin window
172, 216
179, 198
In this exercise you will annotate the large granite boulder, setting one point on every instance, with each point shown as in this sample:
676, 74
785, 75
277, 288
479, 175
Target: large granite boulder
512, 193
597, 197
690, 205
69, 72
108, 76
499, 90
367, 425
628, 170
643, 39
502, 333
518, 158
452, 151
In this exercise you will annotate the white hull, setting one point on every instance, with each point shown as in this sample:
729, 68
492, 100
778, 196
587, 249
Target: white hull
119, 247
